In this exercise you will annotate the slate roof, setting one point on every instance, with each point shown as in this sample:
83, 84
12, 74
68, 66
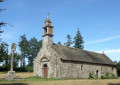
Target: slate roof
75, 54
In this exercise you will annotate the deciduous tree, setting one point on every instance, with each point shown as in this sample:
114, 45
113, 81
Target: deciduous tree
23, 45
34, 47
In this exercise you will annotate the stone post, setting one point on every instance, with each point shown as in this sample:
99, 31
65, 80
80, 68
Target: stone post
13, 48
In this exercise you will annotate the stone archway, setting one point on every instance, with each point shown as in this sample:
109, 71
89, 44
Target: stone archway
45, 70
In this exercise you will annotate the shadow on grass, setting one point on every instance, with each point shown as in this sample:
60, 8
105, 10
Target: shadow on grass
114, 84
14, 84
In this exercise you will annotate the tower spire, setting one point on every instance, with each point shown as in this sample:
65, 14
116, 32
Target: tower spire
47, 15
48, 28
47, 19
47, 32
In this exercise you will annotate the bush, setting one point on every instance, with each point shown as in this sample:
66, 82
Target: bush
29, 69
18, 69
118, 68
92, 76
24, 69
3, 68
108, 76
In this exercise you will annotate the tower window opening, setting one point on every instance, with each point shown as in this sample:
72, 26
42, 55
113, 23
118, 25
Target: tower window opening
45, 30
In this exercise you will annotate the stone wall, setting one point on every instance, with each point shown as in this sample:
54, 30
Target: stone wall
60, 69
82, 70
49, 56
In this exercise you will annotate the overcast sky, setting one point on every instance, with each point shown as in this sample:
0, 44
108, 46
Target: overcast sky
97, 20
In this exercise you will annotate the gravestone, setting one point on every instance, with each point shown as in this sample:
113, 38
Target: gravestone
11, 74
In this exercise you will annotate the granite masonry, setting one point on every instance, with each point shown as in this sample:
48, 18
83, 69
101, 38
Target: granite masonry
11, 74
58, 61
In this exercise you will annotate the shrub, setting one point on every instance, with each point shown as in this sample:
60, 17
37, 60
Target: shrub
92, 76
18, 69
24, 69
108, 76
3, 68
29, 69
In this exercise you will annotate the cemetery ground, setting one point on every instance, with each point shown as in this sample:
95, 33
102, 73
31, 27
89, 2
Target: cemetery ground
30, 80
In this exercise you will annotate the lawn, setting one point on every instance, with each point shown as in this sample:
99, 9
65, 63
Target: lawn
36, 81
21, 74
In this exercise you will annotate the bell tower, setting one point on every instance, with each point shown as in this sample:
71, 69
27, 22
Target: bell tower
47, 32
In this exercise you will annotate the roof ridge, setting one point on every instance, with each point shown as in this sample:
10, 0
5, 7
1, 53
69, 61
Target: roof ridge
78, 49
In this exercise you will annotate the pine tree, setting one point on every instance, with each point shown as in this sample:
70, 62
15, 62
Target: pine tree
59, 43
3, 51
1, 23
69, 41
6, 56
78, 40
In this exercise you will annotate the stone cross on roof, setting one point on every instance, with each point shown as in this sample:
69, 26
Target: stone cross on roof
47, 15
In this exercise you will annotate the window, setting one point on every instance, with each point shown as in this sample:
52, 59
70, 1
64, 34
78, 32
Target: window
81, 67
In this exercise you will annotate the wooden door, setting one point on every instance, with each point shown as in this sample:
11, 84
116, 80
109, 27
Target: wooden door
45, 71
97, 74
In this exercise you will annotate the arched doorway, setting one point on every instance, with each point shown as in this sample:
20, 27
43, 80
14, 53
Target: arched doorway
45, 70
97, 74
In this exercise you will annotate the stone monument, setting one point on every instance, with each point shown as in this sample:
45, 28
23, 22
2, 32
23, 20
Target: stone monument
11, 74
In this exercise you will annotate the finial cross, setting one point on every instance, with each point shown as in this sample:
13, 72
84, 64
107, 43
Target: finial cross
47, 15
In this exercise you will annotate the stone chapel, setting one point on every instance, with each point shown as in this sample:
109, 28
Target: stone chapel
58, 61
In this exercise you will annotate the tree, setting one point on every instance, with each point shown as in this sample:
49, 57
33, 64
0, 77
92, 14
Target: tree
1, 23
23, 44
39, 45
16, 59
118, 67
59, 43
29, 49
34, 47
78, 40
69, 41
2, 0
6, 56
2, 51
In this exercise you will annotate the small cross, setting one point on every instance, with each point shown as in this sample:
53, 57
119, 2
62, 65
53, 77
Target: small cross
47, 15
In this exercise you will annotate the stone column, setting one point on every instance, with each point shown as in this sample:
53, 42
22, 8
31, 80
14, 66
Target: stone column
13, 48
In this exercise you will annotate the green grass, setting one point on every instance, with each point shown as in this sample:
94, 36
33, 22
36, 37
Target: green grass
56, 81
33, 78
37, 78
